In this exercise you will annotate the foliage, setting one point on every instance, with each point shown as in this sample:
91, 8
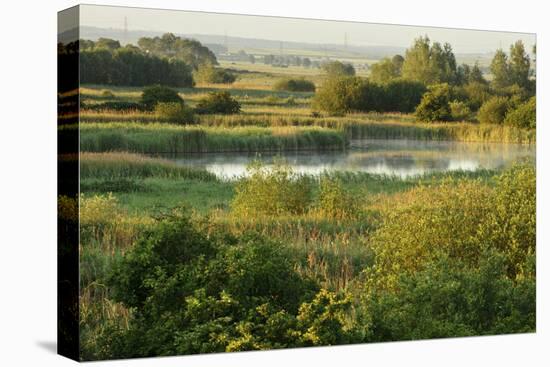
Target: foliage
386, 69
449, 299
524, 115
218, 102
197, 294
494, 110
339, 95
338, 68
271, 191
435, 104
174, 112
334, 201
189, 51
113, 106
157, 93
209, 74
429, 63
132, 67
294, 85
511, 70
459, 110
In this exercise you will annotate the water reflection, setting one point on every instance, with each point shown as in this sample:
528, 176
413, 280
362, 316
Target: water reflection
404, 158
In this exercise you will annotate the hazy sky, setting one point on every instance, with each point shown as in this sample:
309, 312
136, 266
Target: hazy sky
291, 29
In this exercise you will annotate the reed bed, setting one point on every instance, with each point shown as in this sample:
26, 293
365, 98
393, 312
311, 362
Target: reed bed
165, 138
117, 165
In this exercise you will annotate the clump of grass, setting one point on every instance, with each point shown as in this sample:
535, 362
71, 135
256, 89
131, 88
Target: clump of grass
125, 166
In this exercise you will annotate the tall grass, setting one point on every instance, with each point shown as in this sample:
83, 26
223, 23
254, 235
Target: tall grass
116, 165
165, 138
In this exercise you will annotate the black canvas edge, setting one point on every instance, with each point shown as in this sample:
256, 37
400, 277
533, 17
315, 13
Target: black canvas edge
68, 184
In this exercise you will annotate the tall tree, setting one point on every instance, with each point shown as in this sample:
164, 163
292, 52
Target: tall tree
519, 65
500, 70
429, 63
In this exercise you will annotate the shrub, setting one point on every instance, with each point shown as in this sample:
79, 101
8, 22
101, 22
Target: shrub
493, 111
158, 93
113, 106
459, 110
271, 191
218, 102
210, 74
476, 94
338, 68
174, 113
107, 94
451, 299
197, 293
334, 201
294, 85
434, 105
339, 95
524, 115
401, 96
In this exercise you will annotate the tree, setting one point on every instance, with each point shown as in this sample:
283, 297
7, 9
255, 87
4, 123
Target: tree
107, 43
192, 52
386, 70
434, 105
519, 65
429, 64
493, 111
338, 68
500, 70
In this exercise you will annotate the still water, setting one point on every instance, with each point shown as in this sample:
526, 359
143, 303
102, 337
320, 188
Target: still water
404, 158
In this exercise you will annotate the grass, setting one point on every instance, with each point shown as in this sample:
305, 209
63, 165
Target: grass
166, 138
127, 165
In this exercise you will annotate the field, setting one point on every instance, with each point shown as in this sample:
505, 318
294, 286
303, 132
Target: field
280, 258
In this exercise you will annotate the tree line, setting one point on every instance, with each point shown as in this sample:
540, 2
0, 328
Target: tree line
434, 86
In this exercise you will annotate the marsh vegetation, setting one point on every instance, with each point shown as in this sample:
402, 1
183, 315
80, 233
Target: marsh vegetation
177, 258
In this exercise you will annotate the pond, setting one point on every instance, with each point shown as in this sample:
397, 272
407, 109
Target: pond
403, 158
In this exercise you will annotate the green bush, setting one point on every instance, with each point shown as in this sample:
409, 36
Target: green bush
271, 191
107, 94
434, 105
210, 74
524, 115
174, 113
158, 93
459, 110
339, 95
112, 106
218, 102
493, 111
294, 85
334, 201
198, 293
476, 94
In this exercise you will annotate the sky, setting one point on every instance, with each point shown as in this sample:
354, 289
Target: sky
293, 29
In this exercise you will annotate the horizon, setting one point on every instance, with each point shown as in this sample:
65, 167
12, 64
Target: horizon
296, 30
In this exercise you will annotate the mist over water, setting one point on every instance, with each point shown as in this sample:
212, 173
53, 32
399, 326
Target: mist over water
403, 158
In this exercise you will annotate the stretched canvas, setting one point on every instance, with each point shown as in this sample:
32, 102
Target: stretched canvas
234, 182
